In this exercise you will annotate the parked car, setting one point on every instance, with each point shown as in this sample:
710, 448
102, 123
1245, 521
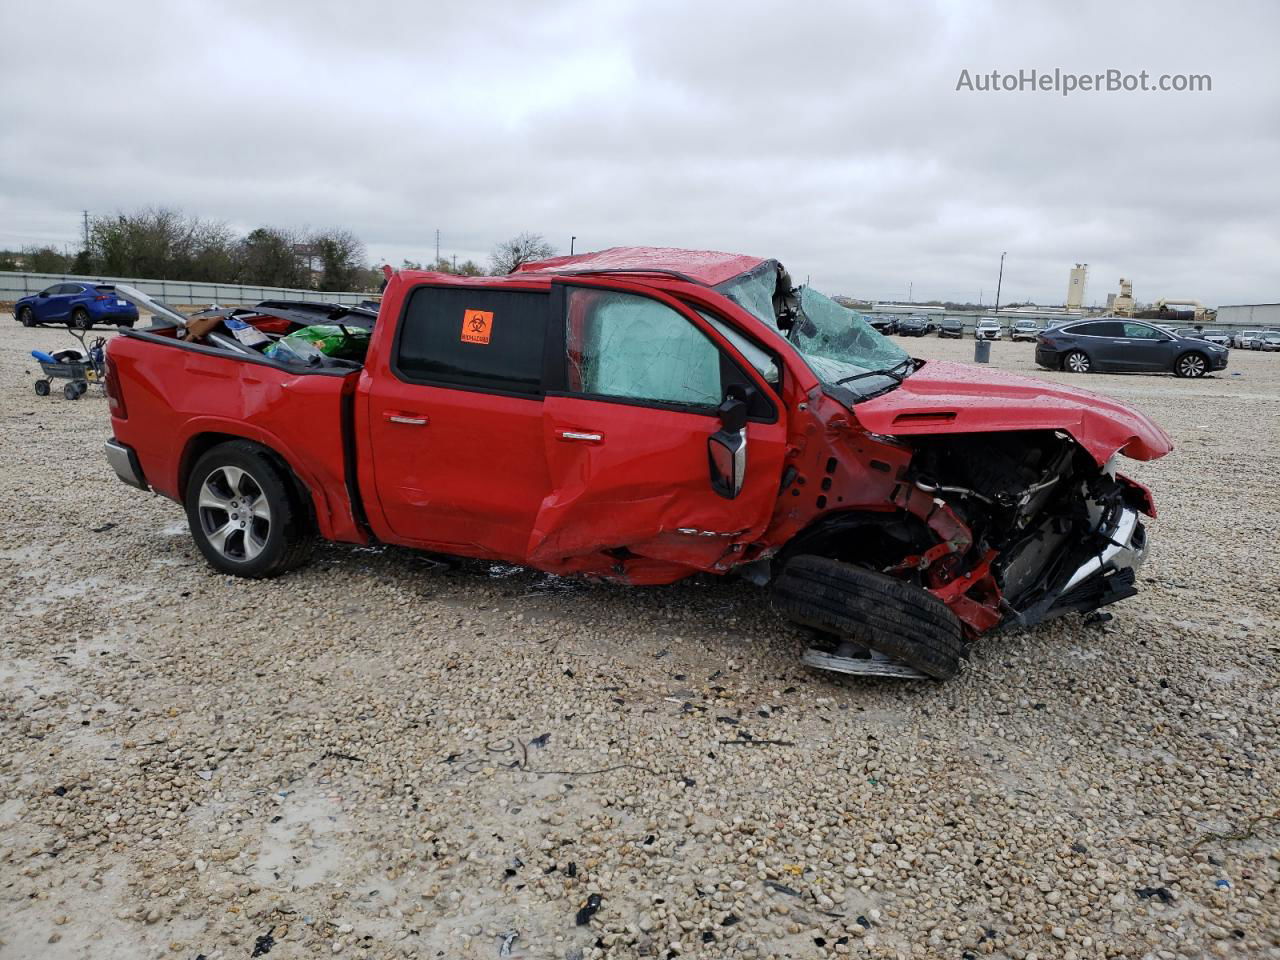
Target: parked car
642, 415
1210, 336
882, 324
988, 328
1243, 339
1024, 330
78, 304
1126, 346
951, 327
913, 327
1269, 340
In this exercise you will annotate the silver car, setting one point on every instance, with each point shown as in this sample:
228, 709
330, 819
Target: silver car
1024, 330
988, 328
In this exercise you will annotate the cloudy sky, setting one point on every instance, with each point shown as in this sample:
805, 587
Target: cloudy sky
831, 136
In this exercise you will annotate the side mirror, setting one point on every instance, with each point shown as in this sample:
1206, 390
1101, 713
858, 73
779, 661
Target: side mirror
727, 447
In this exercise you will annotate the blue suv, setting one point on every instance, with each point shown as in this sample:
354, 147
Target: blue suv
78, 305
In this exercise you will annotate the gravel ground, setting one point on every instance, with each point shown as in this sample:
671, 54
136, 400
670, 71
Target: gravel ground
384, 755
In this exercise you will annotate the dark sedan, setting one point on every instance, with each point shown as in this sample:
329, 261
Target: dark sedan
913, 327
883, 324
951, 327
1112, 345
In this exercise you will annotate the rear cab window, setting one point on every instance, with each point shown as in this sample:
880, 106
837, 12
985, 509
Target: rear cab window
474, 338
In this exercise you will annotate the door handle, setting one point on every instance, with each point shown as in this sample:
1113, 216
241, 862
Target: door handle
581, 436
405, 419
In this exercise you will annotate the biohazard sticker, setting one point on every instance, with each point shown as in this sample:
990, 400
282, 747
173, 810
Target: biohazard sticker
477, 326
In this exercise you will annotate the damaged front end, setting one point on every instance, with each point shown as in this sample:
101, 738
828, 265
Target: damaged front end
1026, 525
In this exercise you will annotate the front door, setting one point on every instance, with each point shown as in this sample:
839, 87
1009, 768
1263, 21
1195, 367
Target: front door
455, 422
627, 438
1152, 349
47, 303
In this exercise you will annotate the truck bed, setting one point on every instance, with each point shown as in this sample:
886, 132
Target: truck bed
182, 398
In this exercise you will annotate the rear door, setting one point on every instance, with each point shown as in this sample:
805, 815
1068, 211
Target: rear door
626, 432
455, 424
1103, 340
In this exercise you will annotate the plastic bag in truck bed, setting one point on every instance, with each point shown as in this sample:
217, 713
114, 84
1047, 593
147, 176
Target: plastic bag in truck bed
310, 344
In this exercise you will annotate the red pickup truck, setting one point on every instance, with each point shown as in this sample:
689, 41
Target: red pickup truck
641, 415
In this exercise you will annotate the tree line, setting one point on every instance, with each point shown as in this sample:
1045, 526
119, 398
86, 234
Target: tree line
162, 243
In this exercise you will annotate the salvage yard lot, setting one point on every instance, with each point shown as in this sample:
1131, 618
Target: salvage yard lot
389, 755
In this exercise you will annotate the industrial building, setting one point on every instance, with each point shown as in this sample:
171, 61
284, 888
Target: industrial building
1254, 316
1075, 286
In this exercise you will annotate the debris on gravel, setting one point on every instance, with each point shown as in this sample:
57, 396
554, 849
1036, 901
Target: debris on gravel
386, 755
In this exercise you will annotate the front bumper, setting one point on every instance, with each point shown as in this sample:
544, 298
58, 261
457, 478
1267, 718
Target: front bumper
1217, 361
1109, 575
125, 463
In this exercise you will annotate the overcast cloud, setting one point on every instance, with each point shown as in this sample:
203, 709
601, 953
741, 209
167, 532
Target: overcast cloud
830, 136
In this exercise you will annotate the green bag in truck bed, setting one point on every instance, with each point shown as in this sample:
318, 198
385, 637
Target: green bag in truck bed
331, 340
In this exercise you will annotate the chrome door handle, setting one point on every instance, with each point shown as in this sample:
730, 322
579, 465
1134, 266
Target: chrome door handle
407, 419
582, 436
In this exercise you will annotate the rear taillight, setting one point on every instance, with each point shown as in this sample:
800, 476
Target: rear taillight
115, 396
102, 297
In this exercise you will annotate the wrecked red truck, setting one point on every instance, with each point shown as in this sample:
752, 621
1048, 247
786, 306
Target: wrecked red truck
642, 415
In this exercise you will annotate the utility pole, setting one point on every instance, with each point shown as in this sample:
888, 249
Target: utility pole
86, 229
571, 242
455, 263
437, 244
999, 281
911, 292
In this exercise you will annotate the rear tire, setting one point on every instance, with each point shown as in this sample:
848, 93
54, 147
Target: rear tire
1077, 361
246, 512
71, 391
1191, 365
891, 616
80, 319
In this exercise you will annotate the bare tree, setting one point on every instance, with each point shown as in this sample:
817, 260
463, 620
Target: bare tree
525, 248
342, 259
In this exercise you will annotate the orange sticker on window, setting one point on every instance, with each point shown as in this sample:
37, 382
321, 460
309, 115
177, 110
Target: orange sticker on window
477, 326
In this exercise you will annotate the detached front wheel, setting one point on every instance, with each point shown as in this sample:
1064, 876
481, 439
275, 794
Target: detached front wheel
887, 615
245, 512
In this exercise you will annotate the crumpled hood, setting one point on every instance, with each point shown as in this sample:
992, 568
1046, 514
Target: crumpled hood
944, 397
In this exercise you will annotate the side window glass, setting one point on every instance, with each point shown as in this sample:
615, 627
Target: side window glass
1140, 331
763, 362
51, 291
631, 347
72, 289
487, 339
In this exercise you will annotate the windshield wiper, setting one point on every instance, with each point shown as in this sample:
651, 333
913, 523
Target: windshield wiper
888, 372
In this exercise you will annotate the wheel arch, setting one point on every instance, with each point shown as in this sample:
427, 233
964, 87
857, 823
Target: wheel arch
1191, 352
201, 443
1062, 365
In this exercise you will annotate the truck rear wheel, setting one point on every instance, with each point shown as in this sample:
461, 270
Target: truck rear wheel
245, 512
890, 616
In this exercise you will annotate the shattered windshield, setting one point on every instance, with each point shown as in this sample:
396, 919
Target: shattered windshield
839, 345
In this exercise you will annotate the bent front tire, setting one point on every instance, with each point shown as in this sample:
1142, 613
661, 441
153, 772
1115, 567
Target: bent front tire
888, 615
246, 512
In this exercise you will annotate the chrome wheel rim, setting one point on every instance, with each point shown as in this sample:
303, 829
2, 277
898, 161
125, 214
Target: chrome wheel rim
1192, 366
1078, 363
234, 514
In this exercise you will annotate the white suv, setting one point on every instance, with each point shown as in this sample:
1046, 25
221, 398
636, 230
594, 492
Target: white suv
988, 328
